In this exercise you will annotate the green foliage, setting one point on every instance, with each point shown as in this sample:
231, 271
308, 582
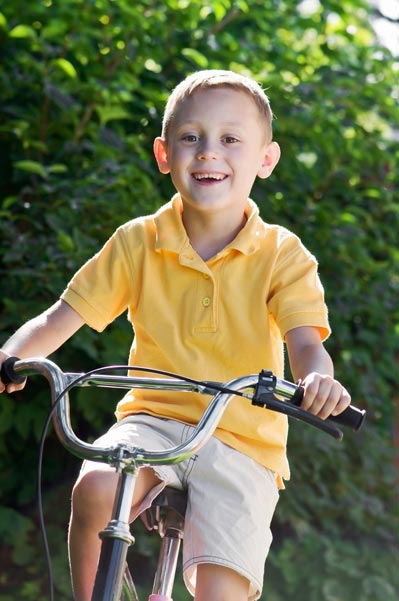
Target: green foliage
83, 88
332, 570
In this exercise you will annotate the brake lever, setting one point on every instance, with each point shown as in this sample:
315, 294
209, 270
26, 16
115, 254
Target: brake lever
264, 396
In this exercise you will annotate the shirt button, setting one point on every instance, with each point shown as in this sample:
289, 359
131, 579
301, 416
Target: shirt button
206, 276
206, 301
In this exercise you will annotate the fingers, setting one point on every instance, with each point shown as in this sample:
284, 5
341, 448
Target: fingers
11, 386
3, 357
15, 387
324, 396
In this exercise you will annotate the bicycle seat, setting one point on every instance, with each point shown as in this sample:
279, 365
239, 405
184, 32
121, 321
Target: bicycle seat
170, 502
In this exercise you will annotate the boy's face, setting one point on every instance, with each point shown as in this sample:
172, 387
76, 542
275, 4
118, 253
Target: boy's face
216, 147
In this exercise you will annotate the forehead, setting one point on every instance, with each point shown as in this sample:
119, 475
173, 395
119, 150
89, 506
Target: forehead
225, 104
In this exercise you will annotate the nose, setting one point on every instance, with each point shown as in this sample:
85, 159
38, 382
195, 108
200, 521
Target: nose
207, 150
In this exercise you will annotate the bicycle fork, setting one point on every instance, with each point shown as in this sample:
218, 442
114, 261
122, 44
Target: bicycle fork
116, 539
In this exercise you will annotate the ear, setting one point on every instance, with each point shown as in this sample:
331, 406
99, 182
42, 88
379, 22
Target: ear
161, 155
270, 160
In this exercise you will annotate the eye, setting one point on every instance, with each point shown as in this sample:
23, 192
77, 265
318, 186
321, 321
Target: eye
190, 138
230, 140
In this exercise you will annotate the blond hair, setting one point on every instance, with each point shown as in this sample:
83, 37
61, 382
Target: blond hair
216, 78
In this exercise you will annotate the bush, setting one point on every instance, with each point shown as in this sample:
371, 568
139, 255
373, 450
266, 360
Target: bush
83, 90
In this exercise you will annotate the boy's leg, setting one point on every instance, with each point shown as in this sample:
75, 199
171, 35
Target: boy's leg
94, 493
92, 503
227, 532
220, 584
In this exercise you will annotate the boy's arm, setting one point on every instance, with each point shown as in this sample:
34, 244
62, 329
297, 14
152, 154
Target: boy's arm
41, 336
312, 365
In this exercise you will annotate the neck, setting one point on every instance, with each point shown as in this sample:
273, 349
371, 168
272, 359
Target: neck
210, 233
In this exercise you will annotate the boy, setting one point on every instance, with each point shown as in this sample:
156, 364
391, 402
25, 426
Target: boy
212, 292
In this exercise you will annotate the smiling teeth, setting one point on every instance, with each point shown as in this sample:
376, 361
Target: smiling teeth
217, 176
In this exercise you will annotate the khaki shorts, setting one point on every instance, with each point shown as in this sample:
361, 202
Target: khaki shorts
231, 498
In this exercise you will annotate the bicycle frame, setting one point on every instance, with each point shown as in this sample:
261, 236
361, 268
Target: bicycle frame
261, 389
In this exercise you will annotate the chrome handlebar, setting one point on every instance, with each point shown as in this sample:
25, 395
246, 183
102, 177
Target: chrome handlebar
261, 389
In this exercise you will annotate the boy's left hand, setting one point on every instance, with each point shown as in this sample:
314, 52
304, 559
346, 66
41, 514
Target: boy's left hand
324, 396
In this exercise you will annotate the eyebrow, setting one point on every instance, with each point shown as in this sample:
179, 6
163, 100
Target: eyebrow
194, 123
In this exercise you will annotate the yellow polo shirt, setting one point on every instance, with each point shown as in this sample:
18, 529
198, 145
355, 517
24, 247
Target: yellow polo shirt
213, 320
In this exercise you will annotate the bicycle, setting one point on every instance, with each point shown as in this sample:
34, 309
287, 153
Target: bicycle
114, 581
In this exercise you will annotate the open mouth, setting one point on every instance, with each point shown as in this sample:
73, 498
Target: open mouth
209, 178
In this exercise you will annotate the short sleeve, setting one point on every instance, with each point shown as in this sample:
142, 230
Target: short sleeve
100, 290
296, 294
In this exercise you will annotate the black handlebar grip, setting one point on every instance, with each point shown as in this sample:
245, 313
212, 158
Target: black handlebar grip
7, 373
351, 417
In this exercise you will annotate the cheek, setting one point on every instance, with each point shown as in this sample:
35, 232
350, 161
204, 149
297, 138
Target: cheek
178, 156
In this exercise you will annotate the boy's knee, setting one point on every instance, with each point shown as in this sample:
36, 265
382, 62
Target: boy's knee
220, 583
94, 491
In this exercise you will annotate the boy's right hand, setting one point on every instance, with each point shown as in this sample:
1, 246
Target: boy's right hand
11, 387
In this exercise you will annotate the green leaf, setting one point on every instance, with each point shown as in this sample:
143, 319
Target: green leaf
57, 168
13, 524
219, 9
31, 167
307, 158
65, 241
196, 57
9, 201
3, 21
22, 31
110, 113
66, 66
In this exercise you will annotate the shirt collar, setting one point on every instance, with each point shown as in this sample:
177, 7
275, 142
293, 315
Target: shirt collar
171, 234
248, 239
